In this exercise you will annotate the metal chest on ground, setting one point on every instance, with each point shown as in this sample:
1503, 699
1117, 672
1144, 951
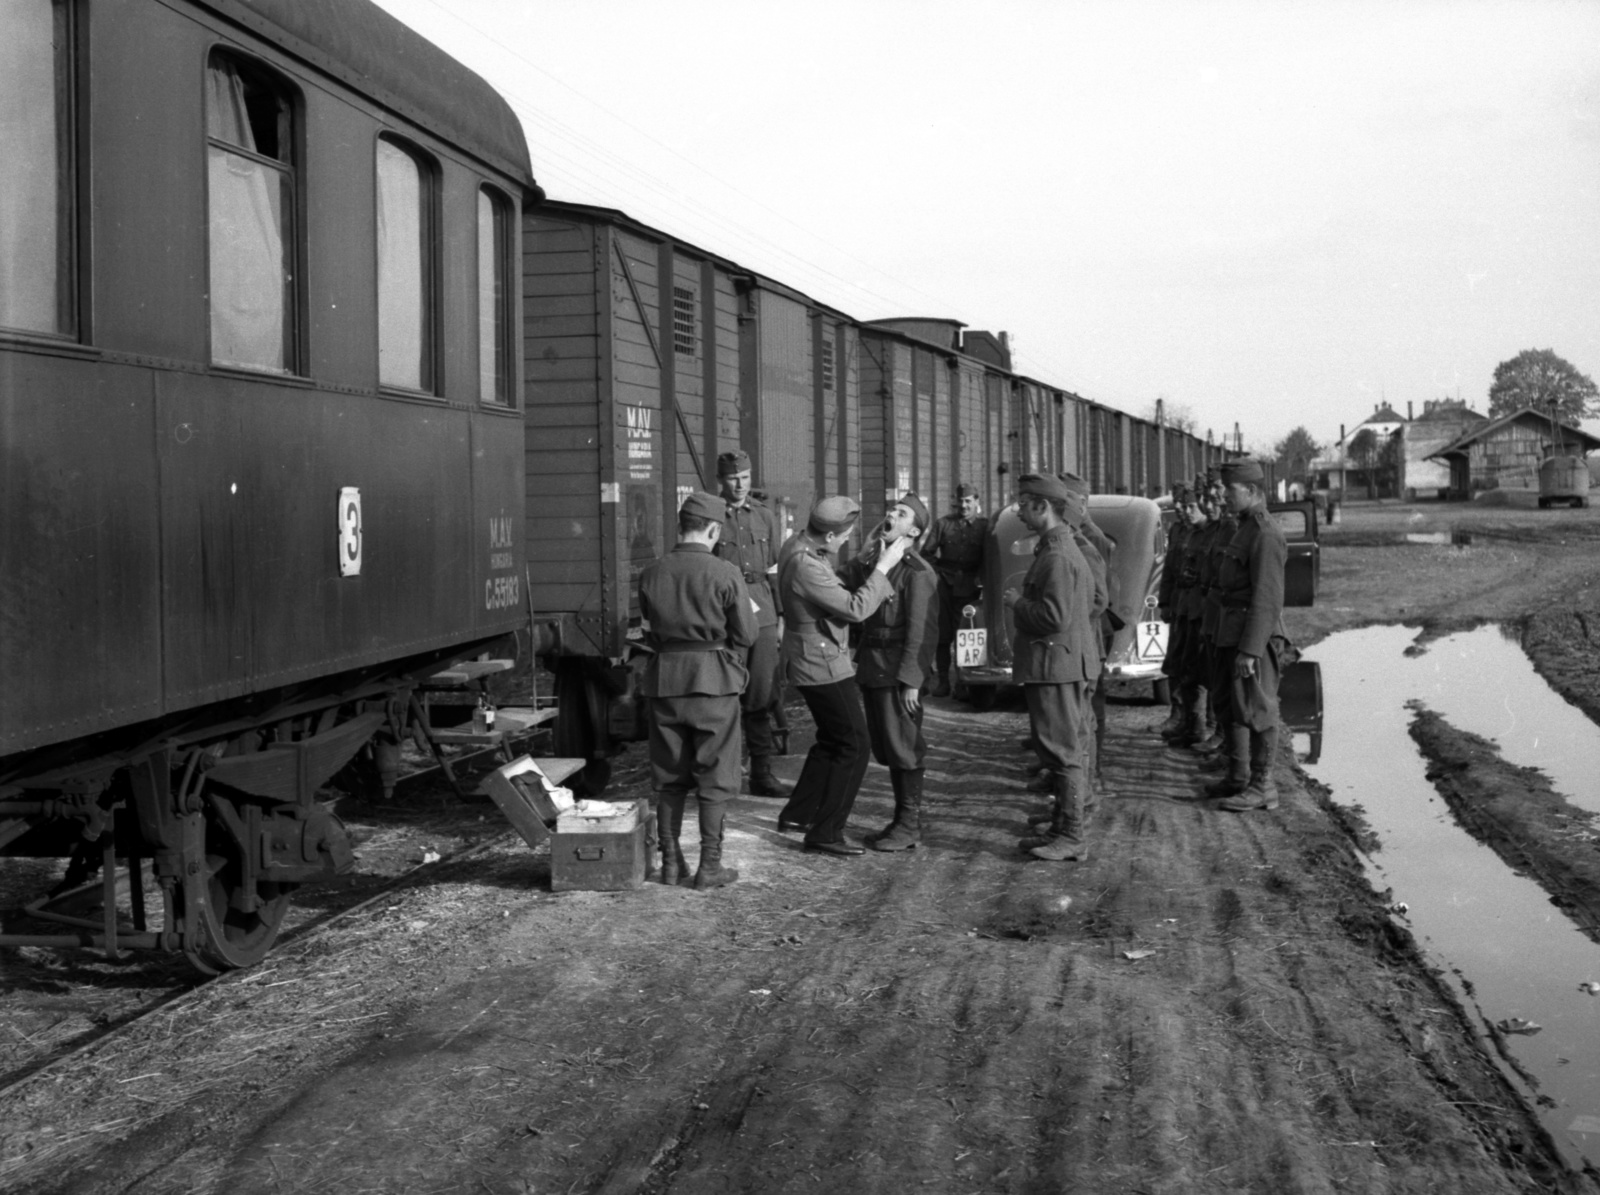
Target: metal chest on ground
608, 857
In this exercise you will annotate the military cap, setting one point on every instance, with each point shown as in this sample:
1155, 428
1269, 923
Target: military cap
1242, 470
1074, 483
834, 514
1041, 486
918, 508
705, 506
1077, 508
966, 490
1213, 476
1181, 494
733, 462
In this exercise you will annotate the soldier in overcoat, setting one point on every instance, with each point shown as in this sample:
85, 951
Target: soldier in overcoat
699, 621
954, 546
1187, 650
751, 538
1055, 653
1167, 594
1250, 634
818, 611
893, 664
1218, 745
1099, 549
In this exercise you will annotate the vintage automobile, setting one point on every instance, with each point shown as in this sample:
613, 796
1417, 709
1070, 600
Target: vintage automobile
983, 641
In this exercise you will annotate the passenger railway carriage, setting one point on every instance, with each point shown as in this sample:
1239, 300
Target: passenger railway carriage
259, 410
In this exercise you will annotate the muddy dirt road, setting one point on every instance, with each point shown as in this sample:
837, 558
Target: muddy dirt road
1220, 1004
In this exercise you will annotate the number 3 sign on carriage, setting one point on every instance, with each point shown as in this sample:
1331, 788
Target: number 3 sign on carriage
349, 532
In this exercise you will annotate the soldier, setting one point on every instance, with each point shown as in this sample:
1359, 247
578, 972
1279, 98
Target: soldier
1250, 636
1167, 595
1217, 746
1097, 548
816, 658
1186, 650
893, 664
701, 625
750, 542
1056, 650
955, 549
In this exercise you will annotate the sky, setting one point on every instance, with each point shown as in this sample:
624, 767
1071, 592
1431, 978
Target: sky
1270, 214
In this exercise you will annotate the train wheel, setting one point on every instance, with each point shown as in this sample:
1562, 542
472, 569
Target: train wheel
576, 734
223, 935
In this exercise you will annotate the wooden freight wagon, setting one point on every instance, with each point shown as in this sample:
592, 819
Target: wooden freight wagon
646, 358
941, 406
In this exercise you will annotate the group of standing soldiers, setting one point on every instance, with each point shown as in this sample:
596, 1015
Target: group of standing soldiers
712, 610
1222, 595
714, 606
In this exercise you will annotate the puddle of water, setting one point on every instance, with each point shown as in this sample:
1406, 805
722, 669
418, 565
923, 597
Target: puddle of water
1478, 918
1483, 681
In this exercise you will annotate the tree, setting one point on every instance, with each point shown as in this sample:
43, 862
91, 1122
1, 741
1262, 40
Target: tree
1537, 378
1177, 416
1294, 454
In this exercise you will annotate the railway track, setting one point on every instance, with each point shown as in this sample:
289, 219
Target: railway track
76, 985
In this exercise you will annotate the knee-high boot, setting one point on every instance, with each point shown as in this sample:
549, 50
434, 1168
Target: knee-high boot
1262, 790
1237, 777
897, 782
669, 830
711, 873
906, 831
1067, 841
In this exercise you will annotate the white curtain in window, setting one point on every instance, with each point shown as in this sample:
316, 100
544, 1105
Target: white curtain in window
402, 309
30, 167
491, 300
249, 205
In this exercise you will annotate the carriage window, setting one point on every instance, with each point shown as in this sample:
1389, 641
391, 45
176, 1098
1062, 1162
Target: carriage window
405, 268
494, 298
250, 134
36, 184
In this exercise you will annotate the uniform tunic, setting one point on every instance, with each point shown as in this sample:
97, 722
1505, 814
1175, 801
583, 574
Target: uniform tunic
701, 627
954, 546
751, 537
1250, 621
1056, 649
896, 652
1215, 674
818, 611
1167, 596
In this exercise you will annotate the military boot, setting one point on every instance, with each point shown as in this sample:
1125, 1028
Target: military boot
653, 837
1177, 714
762, 782
1067, 842
711, 873
1262, 791
1237, 777
897, 781
941, 683
907, 829
1191, 727
669, 828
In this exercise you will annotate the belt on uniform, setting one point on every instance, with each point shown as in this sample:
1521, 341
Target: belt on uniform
692, 645
751, 576
883, 638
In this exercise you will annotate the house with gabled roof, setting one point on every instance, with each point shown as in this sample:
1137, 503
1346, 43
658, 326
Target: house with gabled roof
1504, 453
